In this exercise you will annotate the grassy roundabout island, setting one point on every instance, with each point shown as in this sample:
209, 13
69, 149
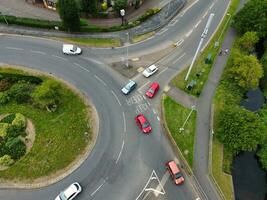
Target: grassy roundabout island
60, 130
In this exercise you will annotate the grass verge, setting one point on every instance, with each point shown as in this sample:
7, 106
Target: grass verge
92, 42
200, 67
60, 136
142, 37
175, 116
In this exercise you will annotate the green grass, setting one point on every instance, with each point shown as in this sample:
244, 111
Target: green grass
224, 180
175, 116
59, 138
200, 66
93, 42
145, 36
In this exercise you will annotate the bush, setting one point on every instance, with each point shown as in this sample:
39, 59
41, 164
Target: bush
20, 92
148, 14
13, 78
6, 160
4, 85
9, 118
15, 148
19, 121
4, 98
3, 129
14, 131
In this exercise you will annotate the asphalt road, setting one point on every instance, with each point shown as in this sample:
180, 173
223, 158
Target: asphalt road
123, 159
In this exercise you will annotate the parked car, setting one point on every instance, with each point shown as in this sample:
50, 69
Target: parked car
129, 87
71, 49
175, 172
70, 192
143, 123
152, 90
152, 69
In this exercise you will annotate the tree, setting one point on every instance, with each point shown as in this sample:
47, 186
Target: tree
252, 17
262, 153
89, 6
69, 14
120, 4
239, 129
248, 41
245, 70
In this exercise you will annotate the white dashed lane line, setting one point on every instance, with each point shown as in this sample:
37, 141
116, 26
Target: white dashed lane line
38, 52
83, 68
116, 97
161, 72
124, 122
15, 48
143, 86
103, 82
175, 61
98, 188
120, 152
55, 56
197, 23
158, 118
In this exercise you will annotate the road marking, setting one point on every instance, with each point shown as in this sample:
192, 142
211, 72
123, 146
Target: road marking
154, 111
188, 33
161, 72
161, 31
143, 85
14, 48
162, 182
94, 61
158, 118
182, 14
59, 57
197, 23
120, 152
103, 82
38, 52
179, 58
141, 108
81, 67
93, 193
212, 5
205, 15
173, 22
124, 122
116, 97
178, 43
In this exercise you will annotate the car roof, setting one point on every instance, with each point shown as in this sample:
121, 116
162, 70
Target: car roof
154, 85
173, 167
152, 67
142, 118
70, 190
68, 45
131, 83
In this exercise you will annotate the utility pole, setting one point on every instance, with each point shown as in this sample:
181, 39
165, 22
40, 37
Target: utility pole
188, 116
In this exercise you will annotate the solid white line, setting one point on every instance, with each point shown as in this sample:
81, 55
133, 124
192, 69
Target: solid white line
81, 67
161, 31
158, 118
197, 23
189, 33
39, 52
100, 80
59, 57
120, 152
116, 97
212, 5
98, 188
162, 182
205, 15
144, 85
14, 48
182, 14
124, 122
179, 58
94, 61
161, 72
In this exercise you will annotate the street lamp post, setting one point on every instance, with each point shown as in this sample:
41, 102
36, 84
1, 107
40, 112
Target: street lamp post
122, 13
192, 109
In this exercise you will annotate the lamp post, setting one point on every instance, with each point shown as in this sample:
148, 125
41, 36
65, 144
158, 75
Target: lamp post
122, 13
192, 109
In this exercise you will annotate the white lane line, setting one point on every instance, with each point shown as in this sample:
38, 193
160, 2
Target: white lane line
124, 122
148, 103
14, 48
197, 23
161, 31
212, 5
188, 33
205, 15
162, 182
103, 82
143, 85
173, 22
81, 67
60, 57
116, 97
178, 43
154, 111
94, 61
158, 118
161, 72
38, 52
179, 58
120, 152
182, 14
93, 193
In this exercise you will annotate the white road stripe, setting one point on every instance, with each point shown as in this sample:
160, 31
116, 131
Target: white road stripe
116, 97
81, 67
98, 188
182, 14
162, 182
197, 23
205, 15
38, 52
188, 33
212, 5
154, 111
124, 122
161, 31
158, 118
161, 72
14, 48
178, 43
59, 57
143, 85
120, 152
94, 61
179, 58
100, 80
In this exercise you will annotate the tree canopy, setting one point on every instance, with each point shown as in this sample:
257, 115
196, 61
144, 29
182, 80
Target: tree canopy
252, 17
240, 129
89, 6
248, 41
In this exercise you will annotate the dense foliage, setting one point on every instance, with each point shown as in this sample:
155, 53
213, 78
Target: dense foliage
89, 6
120, 4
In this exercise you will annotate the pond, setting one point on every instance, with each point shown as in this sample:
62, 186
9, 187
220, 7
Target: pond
248, 178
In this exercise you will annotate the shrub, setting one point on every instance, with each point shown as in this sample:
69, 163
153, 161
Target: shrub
3, 129
9, 118
19, 121
14, 131
13, 78
4, 85
6, 160
16, 148
4, 98
148, 13
20, 92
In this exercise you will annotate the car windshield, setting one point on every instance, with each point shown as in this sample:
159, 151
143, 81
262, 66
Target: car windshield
151, 91
178, 175
74, 48
62, 196
145, 125
129, 86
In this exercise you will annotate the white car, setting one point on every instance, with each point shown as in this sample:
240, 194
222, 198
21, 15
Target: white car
152, 69
71, 49
70, 192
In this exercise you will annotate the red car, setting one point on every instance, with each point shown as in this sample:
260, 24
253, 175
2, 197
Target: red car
175, 172
153, 89
143, 123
